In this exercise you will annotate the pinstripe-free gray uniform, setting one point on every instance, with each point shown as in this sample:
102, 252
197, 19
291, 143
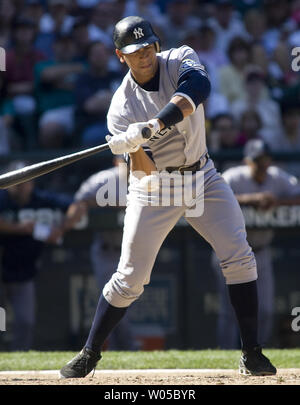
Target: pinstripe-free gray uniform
146, 226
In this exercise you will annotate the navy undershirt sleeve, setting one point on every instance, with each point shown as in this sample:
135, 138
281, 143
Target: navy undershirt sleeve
195, 84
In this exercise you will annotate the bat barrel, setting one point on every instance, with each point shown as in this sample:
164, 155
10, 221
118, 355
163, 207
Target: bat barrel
31, 172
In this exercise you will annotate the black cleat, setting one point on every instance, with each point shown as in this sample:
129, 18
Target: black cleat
81, 365
253, 362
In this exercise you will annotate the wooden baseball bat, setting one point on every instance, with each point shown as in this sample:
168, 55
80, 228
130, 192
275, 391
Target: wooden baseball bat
36, 170
31, 172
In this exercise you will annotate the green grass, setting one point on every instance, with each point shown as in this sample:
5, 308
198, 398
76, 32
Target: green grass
34, 360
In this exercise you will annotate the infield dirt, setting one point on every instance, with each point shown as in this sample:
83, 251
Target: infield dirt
152, 377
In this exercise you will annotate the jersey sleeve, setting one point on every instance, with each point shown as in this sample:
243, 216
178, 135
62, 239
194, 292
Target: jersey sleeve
192, 81
181, 61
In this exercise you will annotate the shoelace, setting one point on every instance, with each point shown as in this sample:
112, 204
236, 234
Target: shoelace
82, 360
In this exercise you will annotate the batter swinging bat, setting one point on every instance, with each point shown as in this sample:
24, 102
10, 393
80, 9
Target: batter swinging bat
31, 172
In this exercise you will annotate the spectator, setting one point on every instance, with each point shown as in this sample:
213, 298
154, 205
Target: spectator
242, 6
257, 98
101, 26
263, 186
93, 92
34, 10
147, 9
277, 13
7, 12
118, 10
178, 21
289, 139
256, 25
24, 231
223, 135
227, 24
80, 37
57, 20
87, 4
232, 76
249, 126
294, 36
55, 80
216, 104
19, 77
203, 41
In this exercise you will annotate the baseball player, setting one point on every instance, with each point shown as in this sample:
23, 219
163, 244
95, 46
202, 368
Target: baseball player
263, 186
164, 92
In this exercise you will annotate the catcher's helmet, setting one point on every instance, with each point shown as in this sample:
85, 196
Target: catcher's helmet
133, 33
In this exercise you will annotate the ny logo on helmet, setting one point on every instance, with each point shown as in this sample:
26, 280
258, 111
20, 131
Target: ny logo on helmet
138, 33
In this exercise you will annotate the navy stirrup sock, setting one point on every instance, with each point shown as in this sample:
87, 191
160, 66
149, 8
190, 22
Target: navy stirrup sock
244, 301
105, 319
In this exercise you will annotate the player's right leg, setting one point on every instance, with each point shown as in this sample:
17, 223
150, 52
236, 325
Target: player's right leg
222, 225
145, 229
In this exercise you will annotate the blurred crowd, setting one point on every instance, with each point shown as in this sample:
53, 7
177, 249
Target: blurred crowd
61, 70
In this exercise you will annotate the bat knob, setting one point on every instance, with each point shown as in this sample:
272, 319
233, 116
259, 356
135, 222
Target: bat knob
146, 132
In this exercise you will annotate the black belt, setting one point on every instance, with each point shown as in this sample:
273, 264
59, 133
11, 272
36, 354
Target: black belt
195, 167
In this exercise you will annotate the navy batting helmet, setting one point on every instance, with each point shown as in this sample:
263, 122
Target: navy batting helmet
133, 33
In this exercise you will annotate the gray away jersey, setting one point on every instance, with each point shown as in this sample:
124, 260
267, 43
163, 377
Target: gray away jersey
278, 182
182, 144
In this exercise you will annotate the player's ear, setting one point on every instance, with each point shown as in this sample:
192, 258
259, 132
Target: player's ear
119, 55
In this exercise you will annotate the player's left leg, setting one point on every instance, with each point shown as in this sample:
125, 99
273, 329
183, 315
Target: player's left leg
222, 225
